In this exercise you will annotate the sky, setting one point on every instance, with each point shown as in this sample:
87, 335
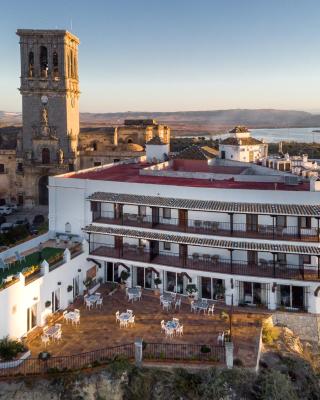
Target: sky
172, 55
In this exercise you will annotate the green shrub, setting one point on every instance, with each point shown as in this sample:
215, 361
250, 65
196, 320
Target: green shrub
269, 334
10, 348
205, 349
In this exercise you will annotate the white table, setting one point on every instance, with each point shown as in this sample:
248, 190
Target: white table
71, 315
173, 325
93, 298
201, 305
50, 332
125, 316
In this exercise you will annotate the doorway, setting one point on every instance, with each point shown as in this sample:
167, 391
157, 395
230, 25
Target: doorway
43, 191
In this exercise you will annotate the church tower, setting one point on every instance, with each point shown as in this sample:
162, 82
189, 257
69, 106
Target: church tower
50, 111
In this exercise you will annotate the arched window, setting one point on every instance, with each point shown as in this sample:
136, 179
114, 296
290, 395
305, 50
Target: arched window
55, 64
67, 227
129, 141
71, 64
31, 64
94, 146
43, 62
45, 156
1, 168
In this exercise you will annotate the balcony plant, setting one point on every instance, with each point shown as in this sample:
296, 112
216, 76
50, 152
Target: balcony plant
192, 291
10, 349
157, 281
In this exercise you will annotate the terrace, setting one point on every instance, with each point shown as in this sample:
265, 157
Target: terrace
29, 261
98, 327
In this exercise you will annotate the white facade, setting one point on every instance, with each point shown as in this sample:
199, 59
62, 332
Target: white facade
238, 271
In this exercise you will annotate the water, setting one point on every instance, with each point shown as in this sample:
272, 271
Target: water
287, 134
284, 134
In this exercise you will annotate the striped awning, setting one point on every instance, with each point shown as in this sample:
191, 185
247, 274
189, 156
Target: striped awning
204, 242
208, 205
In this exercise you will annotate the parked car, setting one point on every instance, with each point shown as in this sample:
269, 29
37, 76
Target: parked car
6, 227
33, 230
14, 207
21, 222
5, 210
38, 219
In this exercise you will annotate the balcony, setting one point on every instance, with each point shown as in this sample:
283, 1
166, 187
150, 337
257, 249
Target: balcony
207, 263
241, 230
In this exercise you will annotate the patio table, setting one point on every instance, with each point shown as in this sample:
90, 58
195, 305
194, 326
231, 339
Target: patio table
167, 297
125, 316
201, 305
71, 315
172, 325
93, 298
52, 331
133, 291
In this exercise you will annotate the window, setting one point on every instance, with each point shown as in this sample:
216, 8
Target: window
281, 221
166, 213
45, 156
31, 64
55, 64
306, 259
67, 227
20, 167
71, 167
1, 168
305, 222
142, 211
282, 258
43, 62
167, 246
97, 163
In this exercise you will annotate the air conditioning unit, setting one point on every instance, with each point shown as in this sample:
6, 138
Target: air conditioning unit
291, 180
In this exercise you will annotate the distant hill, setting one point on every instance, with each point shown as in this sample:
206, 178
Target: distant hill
197, 122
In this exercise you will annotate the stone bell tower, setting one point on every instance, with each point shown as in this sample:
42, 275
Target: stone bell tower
50, 110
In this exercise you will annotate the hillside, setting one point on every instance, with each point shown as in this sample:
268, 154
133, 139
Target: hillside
198, 122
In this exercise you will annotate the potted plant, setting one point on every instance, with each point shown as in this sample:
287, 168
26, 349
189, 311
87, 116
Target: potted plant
124, 276
10, 349
157, 281
88, 282
219, 292
192, 291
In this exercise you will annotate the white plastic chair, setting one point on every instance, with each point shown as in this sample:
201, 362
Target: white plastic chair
193, 307
211, 309
161, 299
163, 326
129, 311
57, 336
169, 333
45, 340
117, 316
89, 305
76, 320
178, 304
176, 320
123, 323
85, 298
220, 337
131, 320
179, 330
99, 302
166, 305
65, 316
77, 311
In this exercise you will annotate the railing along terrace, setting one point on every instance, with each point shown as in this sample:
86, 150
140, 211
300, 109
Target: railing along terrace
264, 231
207, 262
154, 351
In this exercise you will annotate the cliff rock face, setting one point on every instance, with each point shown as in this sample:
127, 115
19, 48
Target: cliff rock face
79, 387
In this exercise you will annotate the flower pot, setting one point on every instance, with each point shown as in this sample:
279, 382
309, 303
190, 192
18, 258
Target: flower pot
157, 291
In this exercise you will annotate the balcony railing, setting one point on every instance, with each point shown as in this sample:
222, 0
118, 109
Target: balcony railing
208, 263
211, 227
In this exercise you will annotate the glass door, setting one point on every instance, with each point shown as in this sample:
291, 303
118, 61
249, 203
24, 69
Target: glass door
32, 317
76, 286
55, 300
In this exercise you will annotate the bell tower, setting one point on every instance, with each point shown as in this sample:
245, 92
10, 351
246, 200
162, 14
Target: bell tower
50, 112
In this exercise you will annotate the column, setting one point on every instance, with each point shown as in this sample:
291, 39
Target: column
272, 296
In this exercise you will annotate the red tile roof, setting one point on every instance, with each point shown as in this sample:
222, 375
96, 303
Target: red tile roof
130, 173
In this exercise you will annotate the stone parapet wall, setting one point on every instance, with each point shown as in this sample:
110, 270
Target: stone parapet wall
306, 326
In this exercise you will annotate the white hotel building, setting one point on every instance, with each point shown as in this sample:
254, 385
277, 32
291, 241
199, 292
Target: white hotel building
230, 230
237, 231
